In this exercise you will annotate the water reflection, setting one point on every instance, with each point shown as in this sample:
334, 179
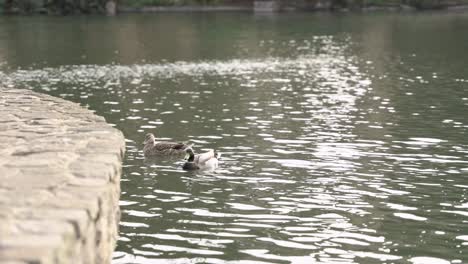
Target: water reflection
329, 154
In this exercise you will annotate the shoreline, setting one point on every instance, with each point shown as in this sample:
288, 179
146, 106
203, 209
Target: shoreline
191, 8
251, 8
288, 9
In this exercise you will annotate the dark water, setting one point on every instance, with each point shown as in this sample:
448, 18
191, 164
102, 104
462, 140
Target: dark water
344, 137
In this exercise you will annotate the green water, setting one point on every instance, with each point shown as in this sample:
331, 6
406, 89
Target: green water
343, 136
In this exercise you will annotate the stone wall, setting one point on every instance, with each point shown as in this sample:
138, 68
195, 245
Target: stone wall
266, 5
371, 5
111, 7
60, 167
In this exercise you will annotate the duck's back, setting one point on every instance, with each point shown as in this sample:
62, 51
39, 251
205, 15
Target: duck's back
161, 146
204, 157
210, 164
165, 148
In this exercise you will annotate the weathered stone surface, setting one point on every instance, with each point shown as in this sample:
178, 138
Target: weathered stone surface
60, 168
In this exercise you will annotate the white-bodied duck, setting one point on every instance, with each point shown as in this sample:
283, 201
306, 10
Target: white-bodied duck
203, 161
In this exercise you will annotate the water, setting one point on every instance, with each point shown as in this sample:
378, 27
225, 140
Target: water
343, 136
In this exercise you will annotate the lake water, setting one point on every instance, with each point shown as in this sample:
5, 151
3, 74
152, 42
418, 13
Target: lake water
344, 137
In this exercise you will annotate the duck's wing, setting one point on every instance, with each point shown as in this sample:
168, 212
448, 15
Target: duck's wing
180, 146
204, 157
170, 145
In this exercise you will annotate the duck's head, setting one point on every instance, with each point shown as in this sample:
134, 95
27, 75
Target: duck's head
149, 138
189, 156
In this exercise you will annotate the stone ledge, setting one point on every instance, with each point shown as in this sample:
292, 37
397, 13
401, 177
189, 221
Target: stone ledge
60, 168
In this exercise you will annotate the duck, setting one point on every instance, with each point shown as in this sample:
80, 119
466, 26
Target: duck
163, 148
203, 161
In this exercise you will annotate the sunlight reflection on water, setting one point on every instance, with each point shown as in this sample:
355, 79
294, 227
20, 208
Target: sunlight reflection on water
302, 178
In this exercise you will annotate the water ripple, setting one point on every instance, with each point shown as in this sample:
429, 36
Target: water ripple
323, 162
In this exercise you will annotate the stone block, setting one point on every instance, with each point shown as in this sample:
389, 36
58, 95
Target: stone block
60, 169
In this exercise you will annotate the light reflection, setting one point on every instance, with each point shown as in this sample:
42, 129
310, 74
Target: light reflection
306, 172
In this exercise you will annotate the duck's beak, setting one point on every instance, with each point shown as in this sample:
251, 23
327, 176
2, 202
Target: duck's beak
187, 156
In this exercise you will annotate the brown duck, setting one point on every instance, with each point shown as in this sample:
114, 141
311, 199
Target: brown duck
163, 148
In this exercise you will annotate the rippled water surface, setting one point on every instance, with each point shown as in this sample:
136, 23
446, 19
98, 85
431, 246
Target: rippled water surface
344, 137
